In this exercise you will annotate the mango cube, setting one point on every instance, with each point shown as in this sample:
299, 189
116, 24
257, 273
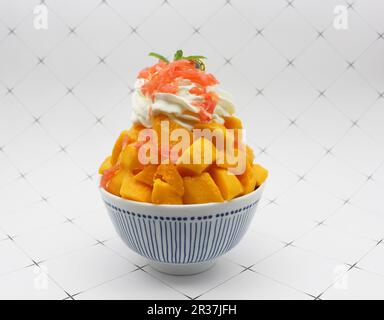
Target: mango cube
229, 185
218, 131
134, 131
164, 193
118, 146
114, 185
106, 165
212, 125
261, 174
134, 190
196, 158
125, 137
250, 154
253, 177
233, 123
225, 159
168, 173
129, 159
172, 125
201, 189
146, 175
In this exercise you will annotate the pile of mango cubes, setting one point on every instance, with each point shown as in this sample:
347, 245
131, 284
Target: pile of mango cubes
178, 182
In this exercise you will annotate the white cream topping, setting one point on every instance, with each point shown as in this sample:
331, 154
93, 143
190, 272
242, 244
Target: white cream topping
175, 105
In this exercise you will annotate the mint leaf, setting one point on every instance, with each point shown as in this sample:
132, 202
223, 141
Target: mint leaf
194, 57
159, 56
178, 55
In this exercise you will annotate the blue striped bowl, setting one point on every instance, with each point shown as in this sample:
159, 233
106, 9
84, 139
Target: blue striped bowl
182, 239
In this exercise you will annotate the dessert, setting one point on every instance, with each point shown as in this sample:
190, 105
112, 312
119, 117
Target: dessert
185, 145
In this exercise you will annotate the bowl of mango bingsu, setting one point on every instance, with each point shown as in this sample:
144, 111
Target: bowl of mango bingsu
181, 186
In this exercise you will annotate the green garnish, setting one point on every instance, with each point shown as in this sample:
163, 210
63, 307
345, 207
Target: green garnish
159, 56
194, 57
179, 56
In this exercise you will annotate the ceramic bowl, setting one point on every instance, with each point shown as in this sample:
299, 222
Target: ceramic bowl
182, 239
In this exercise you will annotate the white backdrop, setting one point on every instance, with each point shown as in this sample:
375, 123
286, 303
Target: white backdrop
311, 97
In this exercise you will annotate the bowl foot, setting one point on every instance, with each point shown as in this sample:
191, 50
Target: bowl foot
186, 269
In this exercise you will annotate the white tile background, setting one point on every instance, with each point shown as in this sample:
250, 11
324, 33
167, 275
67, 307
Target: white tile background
312, 101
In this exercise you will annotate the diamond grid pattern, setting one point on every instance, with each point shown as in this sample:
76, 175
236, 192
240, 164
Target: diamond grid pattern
311, 98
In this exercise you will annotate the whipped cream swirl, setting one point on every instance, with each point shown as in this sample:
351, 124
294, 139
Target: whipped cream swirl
178, 107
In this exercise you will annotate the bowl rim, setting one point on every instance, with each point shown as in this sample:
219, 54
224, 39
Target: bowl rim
180, 206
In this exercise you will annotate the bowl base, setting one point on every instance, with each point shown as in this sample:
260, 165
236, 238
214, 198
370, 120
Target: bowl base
186, 269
